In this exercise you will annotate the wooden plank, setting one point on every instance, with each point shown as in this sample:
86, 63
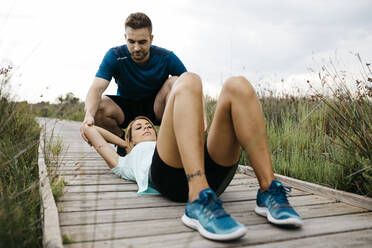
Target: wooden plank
94, 179
101, 188
350, 198
75, 187
134, 187
82, 164
239, 209
362, 238
113, 179
257, 233
194, 240
49, 213
86, 196
100, 196
159, 201
244, 180
78, 172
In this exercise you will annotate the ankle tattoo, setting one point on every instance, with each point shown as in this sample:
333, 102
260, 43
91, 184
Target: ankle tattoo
191, 176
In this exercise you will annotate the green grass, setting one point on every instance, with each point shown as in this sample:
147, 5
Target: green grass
66, 239
20, 219
311, 140
53, 151
67, 107
19, 193
325, 139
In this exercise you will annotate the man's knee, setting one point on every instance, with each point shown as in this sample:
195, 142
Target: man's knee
106, 108
170, 82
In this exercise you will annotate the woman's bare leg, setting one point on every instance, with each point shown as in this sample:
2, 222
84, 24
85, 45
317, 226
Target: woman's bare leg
239, 121
181, 137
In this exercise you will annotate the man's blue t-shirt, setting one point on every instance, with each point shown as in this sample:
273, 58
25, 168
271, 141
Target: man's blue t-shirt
136, 82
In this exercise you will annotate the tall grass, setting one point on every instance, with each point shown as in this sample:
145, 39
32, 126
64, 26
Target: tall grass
20, 220
350, 124
325, 139
53, 151
20, 224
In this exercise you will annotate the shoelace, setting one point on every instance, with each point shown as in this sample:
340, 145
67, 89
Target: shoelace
214, 207
280, 195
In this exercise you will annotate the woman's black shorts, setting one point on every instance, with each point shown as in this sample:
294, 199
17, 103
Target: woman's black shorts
131, 109
172, 183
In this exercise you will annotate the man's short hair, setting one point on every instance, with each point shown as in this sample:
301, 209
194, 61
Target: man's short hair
138, 20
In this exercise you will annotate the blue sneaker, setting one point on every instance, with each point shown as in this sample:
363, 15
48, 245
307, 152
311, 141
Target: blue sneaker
207, 215
274, 205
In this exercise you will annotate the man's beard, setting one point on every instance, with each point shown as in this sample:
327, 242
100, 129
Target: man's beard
139, 55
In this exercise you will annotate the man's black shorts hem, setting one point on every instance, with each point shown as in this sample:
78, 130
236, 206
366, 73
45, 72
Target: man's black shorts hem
172, 183
133, 108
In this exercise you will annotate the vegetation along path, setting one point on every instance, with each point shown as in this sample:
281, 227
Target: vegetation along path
98, 209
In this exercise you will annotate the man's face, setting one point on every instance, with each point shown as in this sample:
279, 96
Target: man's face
138, 42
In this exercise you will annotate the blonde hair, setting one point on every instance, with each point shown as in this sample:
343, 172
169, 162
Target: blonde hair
128, 132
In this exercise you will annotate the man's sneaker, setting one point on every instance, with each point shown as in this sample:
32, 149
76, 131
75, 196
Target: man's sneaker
207, 215
274, 205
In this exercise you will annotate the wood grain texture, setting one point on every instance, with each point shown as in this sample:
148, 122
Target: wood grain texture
350, 198
49, 212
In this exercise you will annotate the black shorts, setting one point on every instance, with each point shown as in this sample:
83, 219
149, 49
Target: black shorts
132, 109
172, 183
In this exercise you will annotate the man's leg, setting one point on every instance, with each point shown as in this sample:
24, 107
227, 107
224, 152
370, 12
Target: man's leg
109, 116
162, 97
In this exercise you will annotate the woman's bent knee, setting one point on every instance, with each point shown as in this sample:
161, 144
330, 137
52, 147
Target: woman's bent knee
188, 82
238, 86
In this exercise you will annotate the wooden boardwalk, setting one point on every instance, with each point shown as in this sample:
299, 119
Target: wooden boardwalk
99, 209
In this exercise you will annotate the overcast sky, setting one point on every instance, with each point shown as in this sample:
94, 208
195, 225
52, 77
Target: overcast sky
57, 46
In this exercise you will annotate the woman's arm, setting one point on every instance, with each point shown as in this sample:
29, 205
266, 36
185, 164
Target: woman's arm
98, 140
111, 138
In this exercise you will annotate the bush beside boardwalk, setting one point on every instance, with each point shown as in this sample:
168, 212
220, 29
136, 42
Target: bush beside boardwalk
306, 144
20, 224
67, 107
20, 219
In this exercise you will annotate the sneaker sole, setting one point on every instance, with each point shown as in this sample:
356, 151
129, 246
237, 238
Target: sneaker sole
266, 213
194, 224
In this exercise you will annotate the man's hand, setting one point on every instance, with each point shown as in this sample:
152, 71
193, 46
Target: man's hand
88, 120
92, 101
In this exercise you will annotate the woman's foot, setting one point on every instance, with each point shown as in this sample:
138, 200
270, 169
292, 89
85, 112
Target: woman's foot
274, 205
207, 215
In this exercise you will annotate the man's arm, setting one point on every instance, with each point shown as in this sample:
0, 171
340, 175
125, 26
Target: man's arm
92, 101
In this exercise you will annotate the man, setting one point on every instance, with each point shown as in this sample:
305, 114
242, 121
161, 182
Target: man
141, 72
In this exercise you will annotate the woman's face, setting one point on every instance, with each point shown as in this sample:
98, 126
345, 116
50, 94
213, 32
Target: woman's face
142, 130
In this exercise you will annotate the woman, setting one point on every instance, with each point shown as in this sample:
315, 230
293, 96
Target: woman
181, 167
